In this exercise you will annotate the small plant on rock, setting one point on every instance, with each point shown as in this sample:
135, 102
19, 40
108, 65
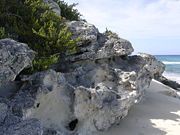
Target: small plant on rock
110, 33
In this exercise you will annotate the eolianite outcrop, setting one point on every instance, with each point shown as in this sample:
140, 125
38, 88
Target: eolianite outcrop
86, 92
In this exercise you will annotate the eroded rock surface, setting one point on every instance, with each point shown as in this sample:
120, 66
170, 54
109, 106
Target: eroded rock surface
10, 124
155, 66
94, 45
27, 127
92, 96
14, 57
47, 97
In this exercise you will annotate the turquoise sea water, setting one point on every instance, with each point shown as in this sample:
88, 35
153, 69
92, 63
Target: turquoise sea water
172, 63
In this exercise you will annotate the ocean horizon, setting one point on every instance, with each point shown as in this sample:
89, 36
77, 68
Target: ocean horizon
172, 63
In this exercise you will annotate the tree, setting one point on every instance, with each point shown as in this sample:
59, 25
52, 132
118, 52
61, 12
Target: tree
69, 11
34, 23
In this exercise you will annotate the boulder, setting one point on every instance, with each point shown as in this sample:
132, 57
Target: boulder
14, 57
94, 45
92, 96
155, 66
106, 90
93, 91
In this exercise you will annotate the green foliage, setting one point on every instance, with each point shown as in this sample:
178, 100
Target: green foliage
110, 33
41, 63
2, 33
69, 11
34, 23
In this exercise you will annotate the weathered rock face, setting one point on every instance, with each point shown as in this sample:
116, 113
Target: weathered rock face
94, 89
27, 127
106, 89
54, 6
10, 124
45, 96
157, 68
94, 45
14, 57
92, 97
153, 65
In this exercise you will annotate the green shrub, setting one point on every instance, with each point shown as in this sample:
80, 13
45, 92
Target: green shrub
41, 63
69, 11
110, 33
34, 23
2, 33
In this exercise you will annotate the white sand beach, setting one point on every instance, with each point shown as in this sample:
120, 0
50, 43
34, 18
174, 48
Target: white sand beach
157, 114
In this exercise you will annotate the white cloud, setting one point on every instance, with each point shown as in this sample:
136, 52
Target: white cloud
134, 18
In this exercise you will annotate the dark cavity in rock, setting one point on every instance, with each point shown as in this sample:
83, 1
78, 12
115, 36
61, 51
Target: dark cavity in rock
72, 125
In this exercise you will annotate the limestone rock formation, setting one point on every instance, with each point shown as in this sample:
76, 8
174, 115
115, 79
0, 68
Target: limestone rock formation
90, 91
153, 65
94, 45
157, 68
14, 57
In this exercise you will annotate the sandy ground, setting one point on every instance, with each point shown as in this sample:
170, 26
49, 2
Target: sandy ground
157, 114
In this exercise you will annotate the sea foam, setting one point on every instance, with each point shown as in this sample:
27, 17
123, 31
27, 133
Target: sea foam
171, 63
172, 76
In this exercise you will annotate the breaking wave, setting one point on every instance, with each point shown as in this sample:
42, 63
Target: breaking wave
171, 63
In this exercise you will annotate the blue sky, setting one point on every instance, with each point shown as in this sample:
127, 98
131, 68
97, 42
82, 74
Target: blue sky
152, 26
